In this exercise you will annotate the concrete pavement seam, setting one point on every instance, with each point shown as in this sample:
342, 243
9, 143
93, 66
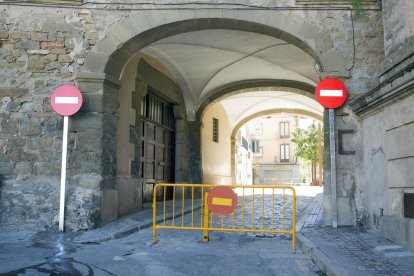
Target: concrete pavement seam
324, 263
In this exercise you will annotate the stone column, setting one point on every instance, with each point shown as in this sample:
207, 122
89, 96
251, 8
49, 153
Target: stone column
348, 156
194, 150
92, 196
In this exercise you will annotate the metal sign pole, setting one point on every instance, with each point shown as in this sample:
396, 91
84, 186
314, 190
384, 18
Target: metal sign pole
333, 167
63, 173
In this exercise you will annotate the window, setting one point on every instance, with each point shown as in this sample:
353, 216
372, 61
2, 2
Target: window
284, 153
284, 129
215, 130
256, 146
157, 110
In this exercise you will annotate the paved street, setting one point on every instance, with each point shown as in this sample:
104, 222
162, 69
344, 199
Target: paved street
177, 253
124, 247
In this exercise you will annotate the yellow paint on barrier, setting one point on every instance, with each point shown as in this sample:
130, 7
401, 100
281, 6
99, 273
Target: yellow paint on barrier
222, 201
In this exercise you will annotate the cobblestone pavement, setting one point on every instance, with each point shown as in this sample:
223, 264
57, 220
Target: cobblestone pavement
351, 250
264, 210
361, 251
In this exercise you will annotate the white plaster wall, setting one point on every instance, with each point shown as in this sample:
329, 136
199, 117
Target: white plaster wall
216, 157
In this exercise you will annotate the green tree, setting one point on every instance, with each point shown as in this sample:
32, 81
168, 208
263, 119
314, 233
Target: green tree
306, 141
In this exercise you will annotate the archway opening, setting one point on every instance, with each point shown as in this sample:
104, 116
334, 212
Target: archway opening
187, 65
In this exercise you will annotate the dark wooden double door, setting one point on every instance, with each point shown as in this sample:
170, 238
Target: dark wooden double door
156, 158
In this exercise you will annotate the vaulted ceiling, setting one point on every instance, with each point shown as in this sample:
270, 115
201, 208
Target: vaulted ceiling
204, 62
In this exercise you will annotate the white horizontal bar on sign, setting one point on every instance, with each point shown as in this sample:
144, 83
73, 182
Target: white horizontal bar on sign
66, 100
331, 93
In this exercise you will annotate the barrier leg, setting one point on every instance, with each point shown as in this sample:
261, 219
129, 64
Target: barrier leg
205, 224
154, 216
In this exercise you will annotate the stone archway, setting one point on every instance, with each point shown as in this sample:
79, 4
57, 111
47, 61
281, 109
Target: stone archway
99, 78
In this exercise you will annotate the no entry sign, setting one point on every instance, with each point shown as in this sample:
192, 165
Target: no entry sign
66, 100
331, 93
222, 201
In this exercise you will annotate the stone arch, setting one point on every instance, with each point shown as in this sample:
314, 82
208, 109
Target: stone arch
134, 32
256, 85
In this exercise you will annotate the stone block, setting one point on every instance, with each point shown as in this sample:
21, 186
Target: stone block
399, 230
4, 34
24, 167
13, 92
6, 168
18, 154
89, 181
69, 43
50, 57
96, 62
89, 140
345, 211
401, 173
39, 36
404, 148
64, 58
52, 45
130, 191
99, 103
53, 65
40, 143
35, 62
85, 162
31, 127
109, 205
27, 45
108, 45
38, 52
399, 114
87, 122
47, 168
19, 35
123, 31
52, 36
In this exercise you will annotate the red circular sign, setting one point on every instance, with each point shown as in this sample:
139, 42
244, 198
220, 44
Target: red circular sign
222, 201
66, 100
331, 93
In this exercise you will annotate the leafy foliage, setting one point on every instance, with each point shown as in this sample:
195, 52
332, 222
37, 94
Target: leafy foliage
306, 143
357, 6
307, 146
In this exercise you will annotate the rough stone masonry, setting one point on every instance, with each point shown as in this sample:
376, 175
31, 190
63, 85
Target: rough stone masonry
44, 47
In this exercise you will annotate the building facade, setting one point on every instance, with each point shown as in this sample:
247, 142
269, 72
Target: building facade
274, 160
149, 73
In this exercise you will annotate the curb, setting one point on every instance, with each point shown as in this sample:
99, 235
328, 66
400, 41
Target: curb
131, 229
323, 262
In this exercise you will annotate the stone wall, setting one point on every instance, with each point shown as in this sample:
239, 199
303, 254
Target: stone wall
388, 119
398, 24
42, 48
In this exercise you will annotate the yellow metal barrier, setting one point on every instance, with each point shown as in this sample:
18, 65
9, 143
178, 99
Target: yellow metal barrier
260, 209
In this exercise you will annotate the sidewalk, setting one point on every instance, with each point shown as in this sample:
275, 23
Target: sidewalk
351, 250
132, 223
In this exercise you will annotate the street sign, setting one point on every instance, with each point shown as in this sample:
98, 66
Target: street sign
66, 100
222, 201
331, 93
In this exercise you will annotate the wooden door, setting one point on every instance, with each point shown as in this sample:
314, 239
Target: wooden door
157, 157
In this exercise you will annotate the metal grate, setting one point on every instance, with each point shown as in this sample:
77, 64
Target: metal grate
215, 130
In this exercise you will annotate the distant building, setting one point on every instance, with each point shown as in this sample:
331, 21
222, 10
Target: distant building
274, 161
